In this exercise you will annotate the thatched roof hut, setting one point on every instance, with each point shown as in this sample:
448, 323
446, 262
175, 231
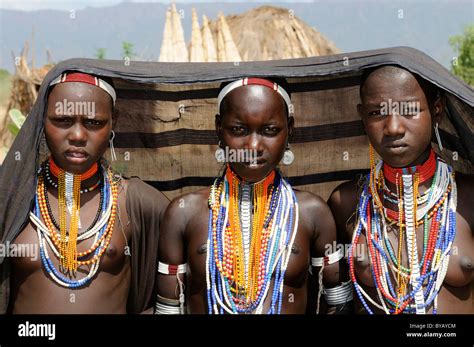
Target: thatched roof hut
173, 47
263, 33
268, 33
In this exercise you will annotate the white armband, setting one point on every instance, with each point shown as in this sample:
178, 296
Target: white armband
327, 260
166, 269
170, 306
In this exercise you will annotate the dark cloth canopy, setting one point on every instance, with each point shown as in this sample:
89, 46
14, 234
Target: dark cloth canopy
165, 124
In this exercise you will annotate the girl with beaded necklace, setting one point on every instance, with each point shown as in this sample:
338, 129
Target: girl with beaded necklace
89, 223
409, 221
244, 245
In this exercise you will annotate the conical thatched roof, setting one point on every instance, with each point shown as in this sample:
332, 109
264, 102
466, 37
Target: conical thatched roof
196, 51
264, 33
167, 42
226, 47
210, 53
173, 47
268, 32
179, 46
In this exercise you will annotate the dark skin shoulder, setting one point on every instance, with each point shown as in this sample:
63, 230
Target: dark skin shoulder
178, 233
343, 202
315, 213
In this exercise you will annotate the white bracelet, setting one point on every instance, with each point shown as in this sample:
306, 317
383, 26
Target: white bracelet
339, 294
167, 306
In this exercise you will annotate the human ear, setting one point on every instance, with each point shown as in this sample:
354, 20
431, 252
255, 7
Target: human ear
291, 125
218, 125
438, 107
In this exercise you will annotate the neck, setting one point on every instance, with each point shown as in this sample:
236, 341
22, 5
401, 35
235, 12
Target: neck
88, 178
425, 171
231, 174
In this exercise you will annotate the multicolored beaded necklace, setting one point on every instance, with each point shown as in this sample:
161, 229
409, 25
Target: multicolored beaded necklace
63, 239
252, 227
401, 289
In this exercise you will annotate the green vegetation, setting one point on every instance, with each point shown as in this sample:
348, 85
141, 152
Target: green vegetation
17, 120
463, 64
5, 87
127, 50
100, 53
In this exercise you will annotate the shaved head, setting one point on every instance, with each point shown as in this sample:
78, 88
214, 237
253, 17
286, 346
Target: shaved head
390, 73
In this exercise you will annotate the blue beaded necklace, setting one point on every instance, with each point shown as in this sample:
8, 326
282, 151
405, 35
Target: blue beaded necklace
283, 206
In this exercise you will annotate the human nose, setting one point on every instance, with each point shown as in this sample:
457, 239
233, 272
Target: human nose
394, 125
255, 143
77, 134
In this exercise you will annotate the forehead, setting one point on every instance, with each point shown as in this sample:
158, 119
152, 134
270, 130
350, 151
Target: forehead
257, 101
394, 83
78, 91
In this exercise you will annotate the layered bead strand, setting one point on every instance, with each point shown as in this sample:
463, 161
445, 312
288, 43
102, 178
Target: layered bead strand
416, 287
238, 275
50, 237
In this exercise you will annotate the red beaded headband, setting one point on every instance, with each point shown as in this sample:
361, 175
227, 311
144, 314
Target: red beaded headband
248, 81
85, 78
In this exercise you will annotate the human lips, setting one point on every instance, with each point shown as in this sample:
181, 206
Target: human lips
76, 155
254, 164
396, 147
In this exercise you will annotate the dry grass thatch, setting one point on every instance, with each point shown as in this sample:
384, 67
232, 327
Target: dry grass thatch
267, 33
263, 33
25, 85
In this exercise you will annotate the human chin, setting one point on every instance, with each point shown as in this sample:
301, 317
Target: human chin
76, 163
251, 172
397, 157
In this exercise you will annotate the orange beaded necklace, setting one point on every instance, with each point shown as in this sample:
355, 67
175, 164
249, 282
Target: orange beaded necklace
68, 236
56, 170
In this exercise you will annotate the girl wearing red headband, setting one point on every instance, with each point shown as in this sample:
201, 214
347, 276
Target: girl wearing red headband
244, 245
96, 231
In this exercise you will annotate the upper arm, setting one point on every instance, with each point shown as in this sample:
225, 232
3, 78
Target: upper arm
324, 240
343, 204
324, 228
171, 246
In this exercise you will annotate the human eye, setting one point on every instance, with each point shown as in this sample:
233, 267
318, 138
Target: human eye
412, 111
271, 130
61, 120
237, 129
93, 122
374, 113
